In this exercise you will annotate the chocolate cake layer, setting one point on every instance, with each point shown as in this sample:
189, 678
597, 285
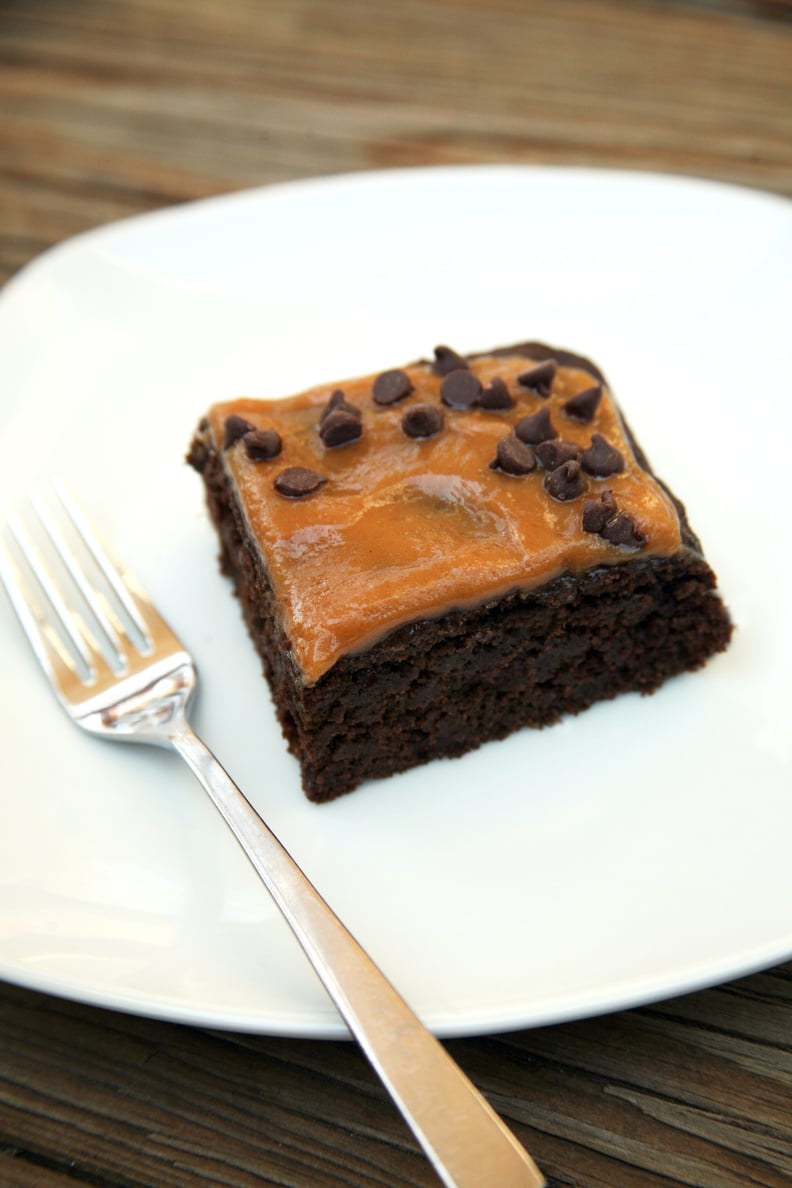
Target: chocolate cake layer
442, 684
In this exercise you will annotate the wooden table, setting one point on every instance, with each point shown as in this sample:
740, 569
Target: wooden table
111, 108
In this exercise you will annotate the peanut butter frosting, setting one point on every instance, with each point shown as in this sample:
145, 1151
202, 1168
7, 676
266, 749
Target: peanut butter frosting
395, 497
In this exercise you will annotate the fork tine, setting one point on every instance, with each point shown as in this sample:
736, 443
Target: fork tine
50, 591
61, 657
120, 582
90, 595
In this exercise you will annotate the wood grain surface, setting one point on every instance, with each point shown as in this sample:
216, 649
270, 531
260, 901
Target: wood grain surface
109, 108
112, 107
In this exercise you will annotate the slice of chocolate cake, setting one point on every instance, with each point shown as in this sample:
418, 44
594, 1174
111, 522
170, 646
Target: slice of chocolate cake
444, 553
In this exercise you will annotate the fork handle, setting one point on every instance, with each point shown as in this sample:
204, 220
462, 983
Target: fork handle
465, 1140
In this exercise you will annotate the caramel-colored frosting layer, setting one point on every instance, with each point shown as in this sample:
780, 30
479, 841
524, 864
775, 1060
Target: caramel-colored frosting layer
404, 528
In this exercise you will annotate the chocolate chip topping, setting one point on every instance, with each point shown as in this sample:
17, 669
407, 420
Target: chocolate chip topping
262, 444
391, 386
600, 516
235, 427
536, 428
296, 481
514, 456
334, 401
601, 458
565, 482
496, 395
460, 389
583, 406
340, 427
338, 401
447, 361
597, 512
422, 420
622, 530
540, 378
554, 453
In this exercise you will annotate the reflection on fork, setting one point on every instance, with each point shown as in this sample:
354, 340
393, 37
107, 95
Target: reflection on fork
119, 671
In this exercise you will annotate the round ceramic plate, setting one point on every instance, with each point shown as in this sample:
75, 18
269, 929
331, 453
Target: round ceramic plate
635, 852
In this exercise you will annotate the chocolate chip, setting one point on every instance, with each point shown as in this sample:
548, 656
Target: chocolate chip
514, 456
583, 406
262, 444
235, 427
565, 482
597, 512
198, 455
536, 428
540, 378
622, 530
422, 420
601, 458
391, 386
460, 389
554, 453
496, 395
296, 481
447, 361
339, 401
336, 398
340, 427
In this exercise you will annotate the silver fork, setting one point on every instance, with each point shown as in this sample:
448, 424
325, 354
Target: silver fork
120, 672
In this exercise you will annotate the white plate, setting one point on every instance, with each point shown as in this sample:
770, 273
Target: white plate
632, 853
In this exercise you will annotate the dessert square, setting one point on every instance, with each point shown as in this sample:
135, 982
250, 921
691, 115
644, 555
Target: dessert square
437, 555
